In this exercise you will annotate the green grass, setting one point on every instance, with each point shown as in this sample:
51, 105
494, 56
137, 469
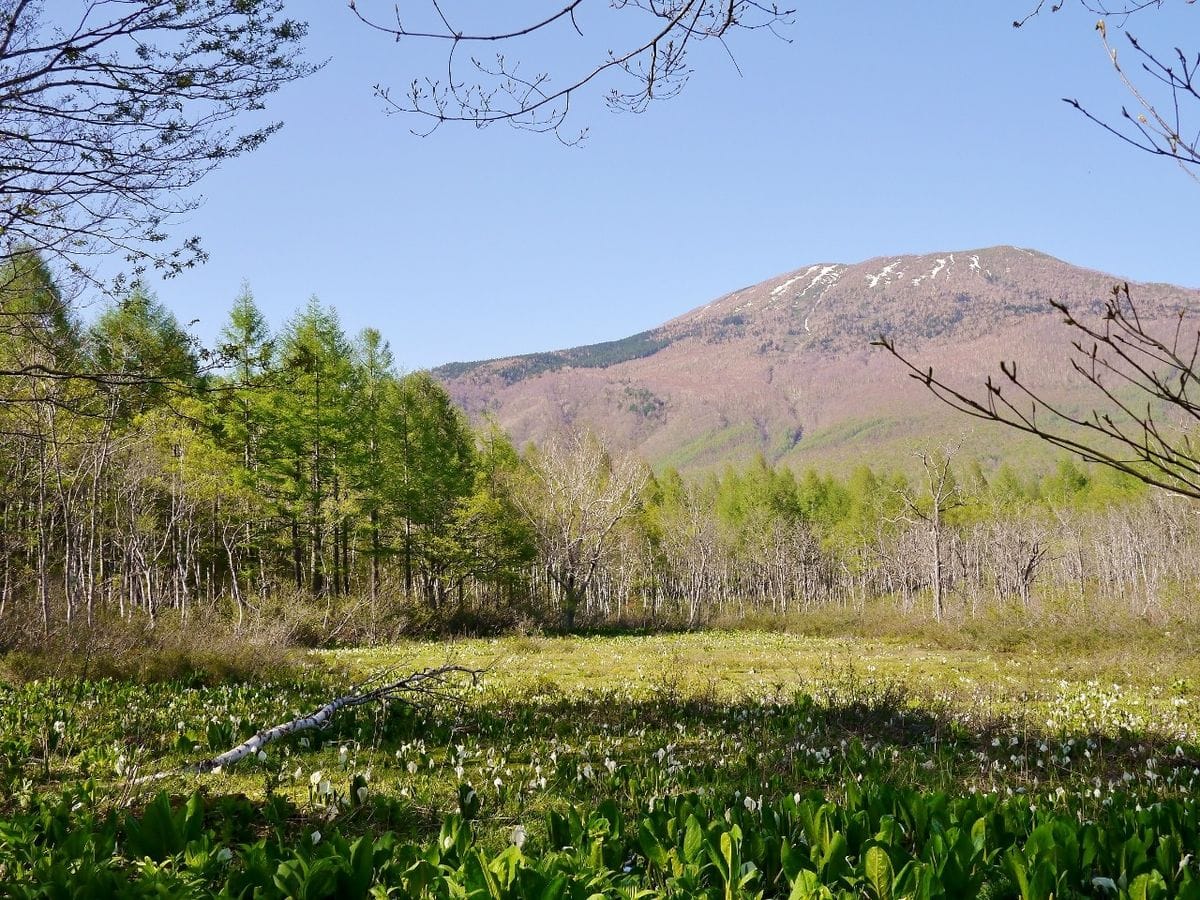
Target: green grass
1024, 729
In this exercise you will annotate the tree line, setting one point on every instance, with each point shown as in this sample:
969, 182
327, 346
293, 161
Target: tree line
299, 471
141, 472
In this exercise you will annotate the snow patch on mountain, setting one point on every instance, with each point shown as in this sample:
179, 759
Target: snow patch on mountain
884, 274
826, 279
776, 291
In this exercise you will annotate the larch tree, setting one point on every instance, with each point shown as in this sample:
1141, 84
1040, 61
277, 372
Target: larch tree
492, 543
309, 433
143, 353
434, 471
375, 380
237, 408
246, 346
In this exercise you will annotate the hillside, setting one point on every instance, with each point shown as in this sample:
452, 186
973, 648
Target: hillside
785, 367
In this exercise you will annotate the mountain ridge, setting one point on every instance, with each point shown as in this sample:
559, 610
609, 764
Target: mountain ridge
784, 367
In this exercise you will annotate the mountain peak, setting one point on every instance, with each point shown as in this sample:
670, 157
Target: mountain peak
784, 367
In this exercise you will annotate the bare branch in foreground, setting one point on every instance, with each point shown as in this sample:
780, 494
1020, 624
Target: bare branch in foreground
1165, 86
647, 53
112, 113
1138, 376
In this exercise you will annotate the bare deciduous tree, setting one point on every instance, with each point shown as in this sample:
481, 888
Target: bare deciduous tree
691, 548
575, 497
939, 495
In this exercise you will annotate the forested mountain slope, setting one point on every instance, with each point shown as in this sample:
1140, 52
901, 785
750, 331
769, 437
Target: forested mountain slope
785, 367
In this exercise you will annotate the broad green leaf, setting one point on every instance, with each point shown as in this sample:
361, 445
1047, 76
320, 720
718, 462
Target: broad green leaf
877, 866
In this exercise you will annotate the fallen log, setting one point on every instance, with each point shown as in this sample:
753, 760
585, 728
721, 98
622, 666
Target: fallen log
434, 683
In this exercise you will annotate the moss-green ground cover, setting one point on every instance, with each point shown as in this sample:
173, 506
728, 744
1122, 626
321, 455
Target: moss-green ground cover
711, 764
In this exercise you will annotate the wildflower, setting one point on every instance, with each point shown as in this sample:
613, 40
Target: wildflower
518, 836
224, 855
316, 838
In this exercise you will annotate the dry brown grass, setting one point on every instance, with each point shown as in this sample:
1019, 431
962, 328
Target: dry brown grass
207, 651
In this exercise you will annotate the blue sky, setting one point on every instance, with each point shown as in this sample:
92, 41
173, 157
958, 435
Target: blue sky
881, 128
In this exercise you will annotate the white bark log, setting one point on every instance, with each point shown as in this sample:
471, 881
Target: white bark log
434, 683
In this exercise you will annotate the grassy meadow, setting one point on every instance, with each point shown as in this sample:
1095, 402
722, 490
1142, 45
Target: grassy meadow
933, 762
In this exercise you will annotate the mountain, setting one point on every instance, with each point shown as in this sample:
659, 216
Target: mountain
785, 367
